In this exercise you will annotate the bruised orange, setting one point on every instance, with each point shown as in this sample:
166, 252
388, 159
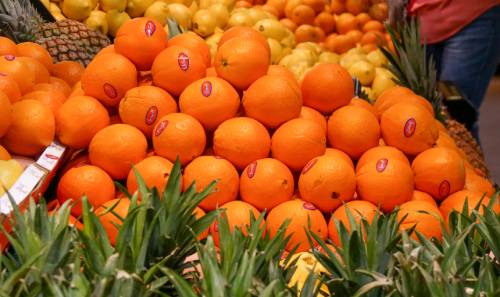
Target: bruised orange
358, 209
155, 172
423, 216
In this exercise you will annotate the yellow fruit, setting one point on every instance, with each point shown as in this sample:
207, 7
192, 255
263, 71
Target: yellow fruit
9, 173
204, 23
240, 19
77, 9
108, 5
289, 41
136, 8
329, 57
54, 8
363, 71
383, 81
181, 14
306, 264
185, 2
45, 3
194, 7
302, 54
221, 14
97, 21
204, 4
58, 16
271, 29
227, 3
158, 11
376, 58
257, 14
276, 50
298, 69
346, 61
355, 51
115, 20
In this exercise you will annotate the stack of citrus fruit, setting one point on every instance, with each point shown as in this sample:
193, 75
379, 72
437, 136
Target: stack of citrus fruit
297, 151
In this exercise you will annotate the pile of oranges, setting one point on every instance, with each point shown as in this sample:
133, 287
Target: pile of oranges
305, 152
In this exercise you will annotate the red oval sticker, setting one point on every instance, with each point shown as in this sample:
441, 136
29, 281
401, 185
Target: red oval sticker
10, 57
3, 74
151, 115
444, 189
410, 127
252, 169
110, 91
381, 165
150, 28
160, 127
206, 88
309, 165
183, 61
308, 206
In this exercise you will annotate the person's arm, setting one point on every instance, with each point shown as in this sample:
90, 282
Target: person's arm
397, 11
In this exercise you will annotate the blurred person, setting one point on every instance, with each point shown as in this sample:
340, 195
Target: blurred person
463, 37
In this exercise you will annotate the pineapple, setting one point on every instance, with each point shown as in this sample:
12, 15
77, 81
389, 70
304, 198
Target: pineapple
65, 39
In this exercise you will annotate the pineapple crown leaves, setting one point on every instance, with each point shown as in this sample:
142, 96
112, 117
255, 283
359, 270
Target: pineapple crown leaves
18, 20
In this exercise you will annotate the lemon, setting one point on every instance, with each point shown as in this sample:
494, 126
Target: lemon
204, 23
193, 7
286, 51
115, 19
355, 51
271, 29
136, 8
158, 11
289, 40
312, 46
239, 19
185, 2
214, 38
221, 14
329, 57
97, 21
347, 60
108, 5
305, 265
285, 61
377, 58
383, 81
181, 14
54, 8
276, 50
257, 15
363, 71
204, 4
58, 16
227, 3
77, 9
9, 173
306, 55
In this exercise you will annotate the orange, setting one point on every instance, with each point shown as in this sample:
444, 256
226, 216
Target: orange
301, 215
355, 35
356, 101
439, 172
279, 5
69, 71
325, 21
242, 4
346, 22
238, 215
142, 106
326, 182
327, 87
141, 40
211, 101
9, 87
381, 152
367, 48
373, 25
357, 6
19, 71
422, 196
7, 46
41, 73
32, 128
281, 71
423, 216
379, 11
289, 24
53, 98
354, 130
5, 114
179, 135
358, 209
155, 172
86, 180
308, 33
79, 119
312, 114
108, 77
198, 214
61, 85
390, 94
337, 6
211, 72
456, 202
317, 5
115, 148
35, 51
475, 182
298, 141
386, 182
270, 9
241, 61
4, 154
266, 183
204, 170
77, 159
340, 43
111, 214
409, 127
242, 141
302, 14
272, 100
373, 37
338, 154
193, 42
397, 94
110, 49
363, 18
245, 32
176, 67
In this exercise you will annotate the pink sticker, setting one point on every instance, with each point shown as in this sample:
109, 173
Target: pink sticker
160, 127
308, 206
3, 74
381, 165
206, 88
252, 169
183, 61
10, 57
309, 165
444, 189
110, 91
151, 115
150, 28
410, 127
50, 156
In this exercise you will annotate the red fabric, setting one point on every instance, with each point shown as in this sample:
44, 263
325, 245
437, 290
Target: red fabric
440, 19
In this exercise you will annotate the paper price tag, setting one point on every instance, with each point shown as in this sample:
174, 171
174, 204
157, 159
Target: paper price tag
22, 188
51, 156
